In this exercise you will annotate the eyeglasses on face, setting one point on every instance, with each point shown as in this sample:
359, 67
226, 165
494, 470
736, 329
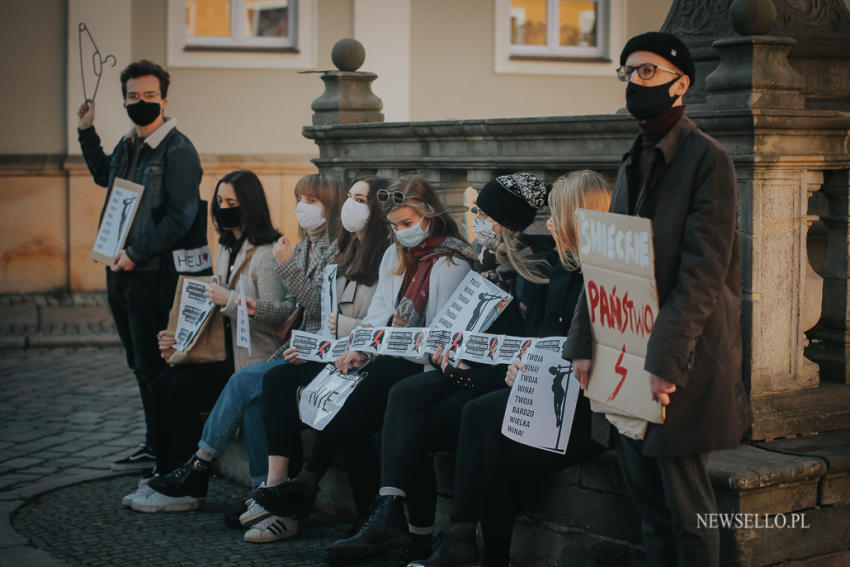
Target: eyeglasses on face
397, 197
149, 96
645, 71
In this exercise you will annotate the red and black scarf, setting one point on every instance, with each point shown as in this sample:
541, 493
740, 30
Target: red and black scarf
410, 311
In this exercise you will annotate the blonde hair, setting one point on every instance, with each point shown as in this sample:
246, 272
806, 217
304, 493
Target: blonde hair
421, 197
583, 189
507, 251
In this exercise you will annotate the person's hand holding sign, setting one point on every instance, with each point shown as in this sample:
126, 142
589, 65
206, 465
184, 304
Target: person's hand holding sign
218, 294
661, 389
86, 115
351, 359
332, 323
122, 262
581, 371
513, 371
291, 356
282, 250
165, 342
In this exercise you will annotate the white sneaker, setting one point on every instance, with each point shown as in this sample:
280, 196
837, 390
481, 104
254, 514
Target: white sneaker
271, 529
253, 514
141, 491
154, 502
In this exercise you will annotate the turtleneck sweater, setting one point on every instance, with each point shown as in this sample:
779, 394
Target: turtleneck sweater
651, 132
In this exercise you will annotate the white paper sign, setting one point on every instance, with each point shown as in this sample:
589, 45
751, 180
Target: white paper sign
316, 348
543, 399
195, 307
330, 302
243, 326
192, 261
622, 300
117, 219
325, 395
473, 306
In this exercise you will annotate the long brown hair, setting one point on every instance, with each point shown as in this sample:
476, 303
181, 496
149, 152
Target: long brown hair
330, 191
360, 259
421, 197
583, 189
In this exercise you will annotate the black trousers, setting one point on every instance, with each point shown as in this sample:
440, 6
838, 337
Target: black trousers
488, 465
179, 394
139, 302
669, 493
283, 425
423, 416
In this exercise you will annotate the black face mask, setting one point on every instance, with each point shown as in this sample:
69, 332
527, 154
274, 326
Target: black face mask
230, 217
646, 103
143, 112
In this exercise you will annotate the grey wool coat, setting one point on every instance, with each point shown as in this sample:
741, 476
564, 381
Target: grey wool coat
691, 197
261, 283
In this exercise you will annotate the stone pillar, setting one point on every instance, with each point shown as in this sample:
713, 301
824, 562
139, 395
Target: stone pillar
830, 339
348, 96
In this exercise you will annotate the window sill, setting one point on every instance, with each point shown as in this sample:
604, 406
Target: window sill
238, 49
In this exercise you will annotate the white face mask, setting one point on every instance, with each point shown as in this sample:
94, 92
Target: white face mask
483, 231
412, 235
309, 216
354, 215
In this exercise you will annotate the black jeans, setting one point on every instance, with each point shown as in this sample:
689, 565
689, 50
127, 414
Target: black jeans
283, 425
363, 412
487, 467
669, 493
423, 416
140, 301
179, 394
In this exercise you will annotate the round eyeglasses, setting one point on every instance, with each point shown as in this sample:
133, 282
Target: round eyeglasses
645, 71
396, 197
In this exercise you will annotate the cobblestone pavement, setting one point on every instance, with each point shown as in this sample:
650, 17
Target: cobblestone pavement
65, 415
49, 320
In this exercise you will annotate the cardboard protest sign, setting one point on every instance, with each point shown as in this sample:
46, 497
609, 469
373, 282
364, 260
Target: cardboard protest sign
117, 218
473, 306
195, 308
619, 284
243, 327
323, 397
330, 303
543, 399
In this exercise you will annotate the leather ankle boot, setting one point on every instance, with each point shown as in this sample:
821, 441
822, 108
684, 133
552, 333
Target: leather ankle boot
455, 546
385, 529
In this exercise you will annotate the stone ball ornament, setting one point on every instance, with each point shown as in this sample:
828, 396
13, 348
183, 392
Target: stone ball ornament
752, 17
348, 54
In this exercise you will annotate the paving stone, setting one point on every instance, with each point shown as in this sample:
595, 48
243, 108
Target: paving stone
97, 530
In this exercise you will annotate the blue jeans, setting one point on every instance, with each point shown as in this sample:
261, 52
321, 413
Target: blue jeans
241, 402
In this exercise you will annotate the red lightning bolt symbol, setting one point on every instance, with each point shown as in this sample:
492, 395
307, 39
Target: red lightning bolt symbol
621, 371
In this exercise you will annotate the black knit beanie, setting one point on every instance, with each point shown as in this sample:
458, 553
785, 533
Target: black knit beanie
664, 44
513, 200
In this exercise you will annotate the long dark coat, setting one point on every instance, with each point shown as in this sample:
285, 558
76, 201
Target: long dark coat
691, 196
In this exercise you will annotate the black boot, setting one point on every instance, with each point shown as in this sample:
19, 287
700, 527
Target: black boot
385, 529
189, 479
454, 547
290, 498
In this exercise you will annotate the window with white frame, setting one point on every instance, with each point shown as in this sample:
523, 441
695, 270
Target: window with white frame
559, 29
242, 34
241, 25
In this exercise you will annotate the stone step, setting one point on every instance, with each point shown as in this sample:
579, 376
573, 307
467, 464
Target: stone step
583, 515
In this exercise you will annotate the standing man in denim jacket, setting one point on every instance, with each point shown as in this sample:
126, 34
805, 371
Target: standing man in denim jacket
140, 283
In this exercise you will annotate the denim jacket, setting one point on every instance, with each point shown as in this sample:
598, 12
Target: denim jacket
170, 170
